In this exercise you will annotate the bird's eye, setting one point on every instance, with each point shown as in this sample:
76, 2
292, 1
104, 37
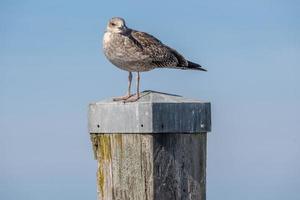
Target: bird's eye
113, 24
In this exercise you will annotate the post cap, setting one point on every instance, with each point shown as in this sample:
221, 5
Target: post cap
154, 112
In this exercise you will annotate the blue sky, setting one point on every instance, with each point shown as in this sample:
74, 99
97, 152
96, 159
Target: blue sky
52, 67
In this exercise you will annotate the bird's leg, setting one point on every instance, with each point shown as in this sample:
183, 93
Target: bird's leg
137, 95
129, 84
128, 92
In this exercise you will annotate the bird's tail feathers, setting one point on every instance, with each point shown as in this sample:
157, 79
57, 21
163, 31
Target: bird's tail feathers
195, 66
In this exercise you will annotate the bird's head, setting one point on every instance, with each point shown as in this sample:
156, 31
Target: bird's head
116, 25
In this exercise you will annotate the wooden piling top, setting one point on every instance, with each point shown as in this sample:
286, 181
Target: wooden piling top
154, 112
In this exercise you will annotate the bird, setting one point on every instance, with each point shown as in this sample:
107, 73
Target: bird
136, 51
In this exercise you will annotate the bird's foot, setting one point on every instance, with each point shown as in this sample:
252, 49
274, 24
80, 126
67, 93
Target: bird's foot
133, 98
122, 98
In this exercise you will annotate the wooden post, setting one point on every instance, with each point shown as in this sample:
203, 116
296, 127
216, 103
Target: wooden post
153, 149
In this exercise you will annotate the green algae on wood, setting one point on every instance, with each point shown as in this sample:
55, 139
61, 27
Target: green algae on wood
100, 180
104, 147
102, 152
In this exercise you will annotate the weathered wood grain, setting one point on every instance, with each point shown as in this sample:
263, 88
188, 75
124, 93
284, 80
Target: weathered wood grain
150, 166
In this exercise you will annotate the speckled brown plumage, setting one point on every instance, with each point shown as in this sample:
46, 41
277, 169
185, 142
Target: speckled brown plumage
136, 51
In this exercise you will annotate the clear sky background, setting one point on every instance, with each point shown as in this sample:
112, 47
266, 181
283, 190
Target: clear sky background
52, 67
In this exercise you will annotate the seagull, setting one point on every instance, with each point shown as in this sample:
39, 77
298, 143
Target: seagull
136, 51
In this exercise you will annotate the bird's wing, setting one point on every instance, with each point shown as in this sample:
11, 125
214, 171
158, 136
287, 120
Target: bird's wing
158, 54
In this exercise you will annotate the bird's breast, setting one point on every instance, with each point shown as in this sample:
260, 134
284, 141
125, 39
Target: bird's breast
106, 39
